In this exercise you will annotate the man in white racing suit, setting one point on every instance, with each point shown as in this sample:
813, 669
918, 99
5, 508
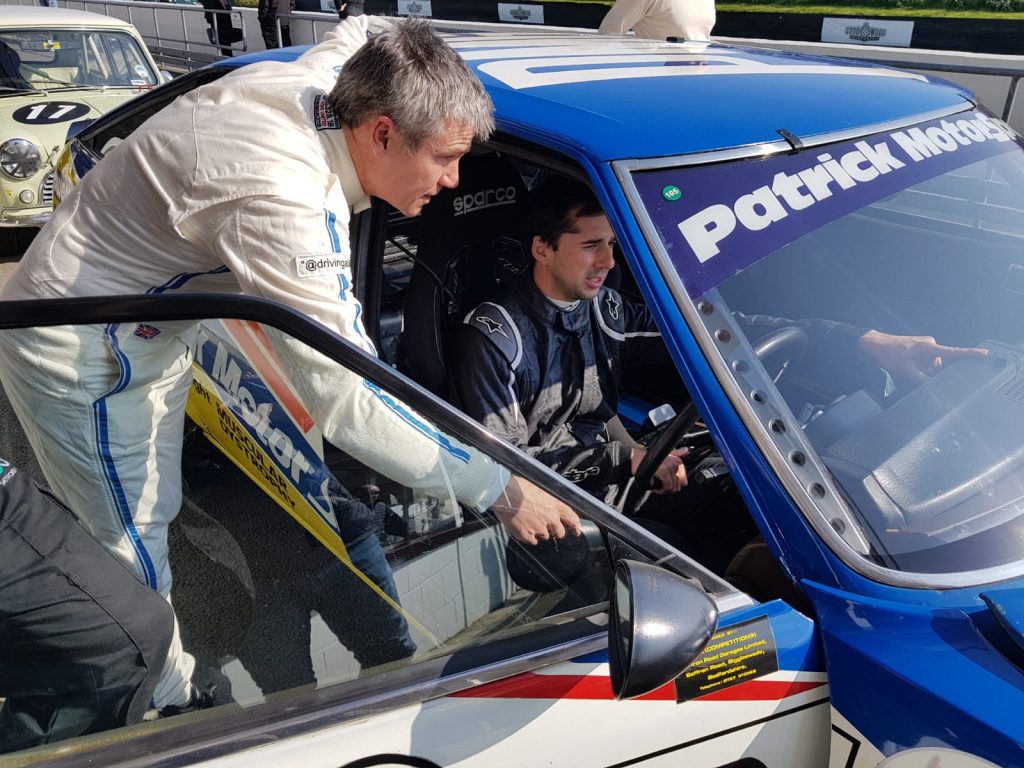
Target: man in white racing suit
661, 19
246, 184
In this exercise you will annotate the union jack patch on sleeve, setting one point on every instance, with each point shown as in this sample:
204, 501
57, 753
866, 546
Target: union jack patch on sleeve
146, 332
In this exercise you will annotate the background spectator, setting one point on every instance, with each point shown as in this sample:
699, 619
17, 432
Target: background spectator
661, 19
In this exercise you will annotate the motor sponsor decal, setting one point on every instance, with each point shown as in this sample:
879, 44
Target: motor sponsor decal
729, 216
732, 656
268, 443
244, 430
324, 117
321, 265
50, 112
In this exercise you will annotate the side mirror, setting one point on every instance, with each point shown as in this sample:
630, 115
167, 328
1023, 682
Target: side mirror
659, 623
165, 76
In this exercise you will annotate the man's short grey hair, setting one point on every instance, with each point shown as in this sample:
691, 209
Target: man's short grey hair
411, 75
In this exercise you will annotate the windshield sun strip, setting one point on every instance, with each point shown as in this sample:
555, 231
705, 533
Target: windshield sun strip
808, 484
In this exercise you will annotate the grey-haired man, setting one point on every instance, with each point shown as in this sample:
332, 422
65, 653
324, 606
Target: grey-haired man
246, 184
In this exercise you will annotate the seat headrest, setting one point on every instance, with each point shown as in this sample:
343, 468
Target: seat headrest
469, 243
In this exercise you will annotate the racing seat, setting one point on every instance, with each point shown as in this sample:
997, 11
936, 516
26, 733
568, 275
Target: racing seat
469, 246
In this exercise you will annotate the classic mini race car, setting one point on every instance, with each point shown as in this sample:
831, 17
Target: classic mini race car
57, 66
757, 197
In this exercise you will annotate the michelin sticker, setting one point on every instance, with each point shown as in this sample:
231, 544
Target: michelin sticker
727, 217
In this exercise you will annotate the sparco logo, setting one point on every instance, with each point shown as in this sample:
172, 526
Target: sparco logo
865, 33
485, 198
520, 13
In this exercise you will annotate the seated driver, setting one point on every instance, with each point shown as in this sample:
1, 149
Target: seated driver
541, 364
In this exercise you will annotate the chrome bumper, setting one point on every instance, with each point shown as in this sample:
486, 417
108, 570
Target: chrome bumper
12, 219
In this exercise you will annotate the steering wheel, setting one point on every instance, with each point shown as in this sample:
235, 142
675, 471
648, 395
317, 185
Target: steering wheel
780, 349
664, 438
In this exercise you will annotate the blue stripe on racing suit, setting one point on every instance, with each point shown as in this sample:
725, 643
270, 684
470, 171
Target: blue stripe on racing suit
409, 418
109, 469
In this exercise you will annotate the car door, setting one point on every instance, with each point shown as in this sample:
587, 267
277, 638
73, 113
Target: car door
290, 631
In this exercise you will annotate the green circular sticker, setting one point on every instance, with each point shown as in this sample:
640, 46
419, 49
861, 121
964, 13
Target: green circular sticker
672, 193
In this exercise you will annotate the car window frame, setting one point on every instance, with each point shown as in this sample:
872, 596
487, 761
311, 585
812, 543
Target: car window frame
334, 704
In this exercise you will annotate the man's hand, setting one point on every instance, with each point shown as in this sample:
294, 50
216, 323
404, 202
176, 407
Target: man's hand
910, 359
531, 514
670, 477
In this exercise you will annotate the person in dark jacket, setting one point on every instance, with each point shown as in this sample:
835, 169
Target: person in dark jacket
346, 8
270, 13
541, 364
83, 640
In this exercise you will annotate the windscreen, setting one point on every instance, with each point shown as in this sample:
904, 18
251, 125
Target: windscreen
870, 293
48, 60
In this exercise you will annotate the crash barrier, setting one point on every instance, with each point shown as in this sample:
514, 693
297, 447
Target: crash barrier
181, 37
994, 79
178, 37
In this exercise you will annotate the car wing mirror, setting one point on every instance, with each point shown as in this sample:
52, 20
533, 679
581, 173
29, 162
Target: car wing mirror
660, 622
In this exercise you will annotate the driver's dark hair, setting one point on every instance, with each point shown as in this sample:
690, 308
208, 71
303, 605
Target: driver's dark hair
554, 207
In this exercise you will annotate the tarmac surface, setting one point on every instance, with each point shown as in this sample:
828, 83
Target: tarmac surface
7, 265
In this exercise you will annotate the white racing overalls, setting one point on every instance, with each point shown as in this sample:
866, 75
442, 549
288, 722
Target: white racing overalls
244, 184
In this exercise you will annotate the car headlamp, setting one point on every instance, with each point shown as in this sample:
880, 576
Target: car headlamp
19, 158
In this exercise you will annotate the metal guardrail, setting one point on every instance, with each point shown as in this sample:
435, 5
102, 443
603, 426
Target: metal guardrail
195, 37
184, 44
1013, 73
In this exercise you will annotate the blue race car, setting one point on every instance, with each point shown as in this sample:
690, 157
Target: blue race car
740, 184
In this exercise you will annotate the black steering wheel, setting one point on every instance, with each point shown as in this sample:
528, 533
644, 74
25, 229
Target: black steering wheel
780, 349
777, 351
665, 437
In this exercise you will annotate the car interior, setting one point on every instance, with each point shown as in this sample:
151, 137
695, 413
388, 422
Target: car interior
437, 267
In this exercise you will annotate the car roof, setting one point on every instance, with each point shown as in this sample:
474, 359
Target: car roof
15, 16
620, 97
